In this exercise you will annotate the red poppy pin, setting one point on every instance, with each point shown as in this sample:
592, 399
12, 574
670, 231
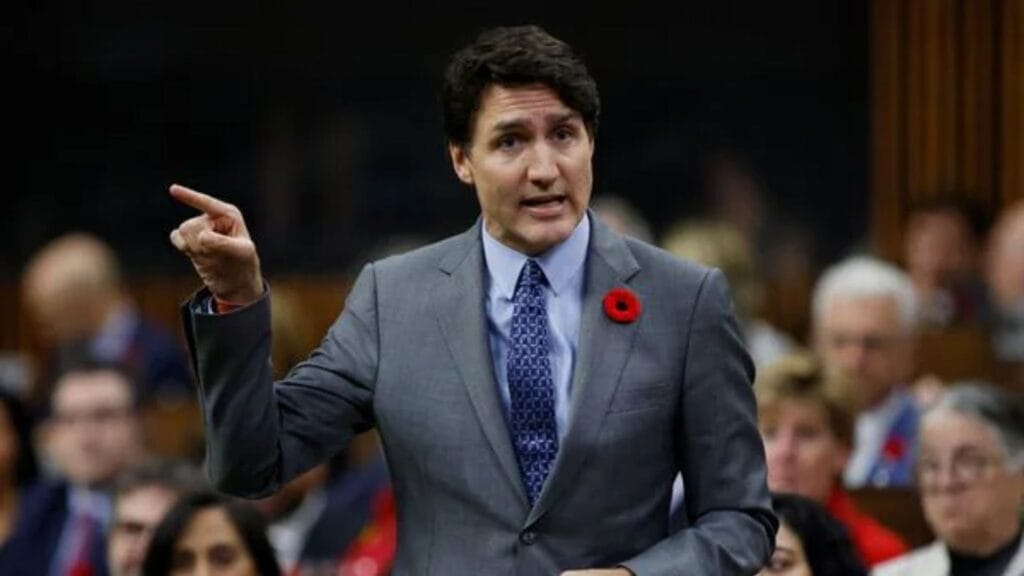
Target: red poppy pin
894, 449
621, 305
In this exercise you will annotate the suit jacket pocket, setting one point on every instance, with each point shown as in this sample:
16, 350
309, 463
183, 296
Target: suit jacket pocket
647, 397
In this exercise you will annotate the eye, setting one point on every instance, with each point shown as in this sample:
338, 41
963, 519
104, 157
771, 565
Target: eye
565, 133
507, 141
223, 555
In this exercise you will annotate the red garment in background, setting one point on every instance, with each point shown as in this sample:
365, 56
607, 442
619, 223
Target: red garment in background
873, 542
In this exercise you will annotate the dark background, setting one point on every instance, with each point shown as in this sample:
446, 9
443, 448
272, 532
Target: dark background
321, 120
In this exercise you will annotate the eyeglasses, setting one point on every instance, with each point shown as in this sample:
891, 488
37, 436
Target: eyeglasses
964, 468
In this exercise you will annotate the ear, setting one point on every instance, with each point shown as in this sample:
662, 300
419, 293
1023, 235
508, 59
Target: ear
461, 162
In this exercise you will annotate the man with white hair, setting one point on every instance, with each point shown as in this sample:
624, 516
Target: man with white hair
865, 325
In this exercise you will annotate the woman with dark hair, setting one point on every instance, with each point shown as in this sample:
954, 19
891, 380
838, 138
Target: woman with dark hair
18, 467
810, 542
211, 534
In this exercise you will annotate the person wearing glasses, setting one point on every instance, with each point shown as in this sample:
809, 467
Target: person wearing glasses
970, 474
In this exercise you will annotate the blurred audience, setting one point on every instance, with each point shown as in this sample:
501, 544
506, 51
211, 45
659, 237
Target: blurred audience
317, 521
1004, 273
18, 465
720, 245
93, 434
207, 533
809, 542
865, 326
621, 216
941, 249
806, 416
73, 291
142, 497
971, 479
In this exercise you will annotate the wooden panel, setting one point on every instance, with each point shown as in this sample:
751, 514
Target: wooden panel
1012, 110
898, 509
947, 106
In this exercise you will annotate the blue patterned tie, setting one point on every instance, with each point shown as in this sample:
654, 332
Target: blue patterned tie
531, 389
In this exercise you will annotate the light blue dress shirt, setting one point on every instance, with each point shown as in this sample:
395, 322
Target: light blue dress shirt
563, 266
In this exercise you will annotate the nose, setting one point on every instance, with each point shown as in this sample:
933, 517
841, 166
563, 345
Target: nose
542, 170
783, 447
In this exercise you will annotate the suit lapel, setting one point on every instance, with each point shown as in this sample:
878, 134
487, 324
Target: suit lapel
460, 311
604, 347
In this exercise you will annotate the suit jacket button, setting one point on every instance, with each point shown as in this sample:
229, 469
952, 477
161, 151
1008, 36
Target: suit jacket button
528, 537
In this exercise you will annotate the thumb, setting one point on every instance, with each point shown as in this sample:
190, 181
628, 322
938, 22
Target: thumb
217, 243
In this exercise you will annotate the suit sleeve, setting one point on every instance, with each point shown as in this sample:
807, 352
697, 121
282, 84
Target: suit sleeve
731, 526
260, 434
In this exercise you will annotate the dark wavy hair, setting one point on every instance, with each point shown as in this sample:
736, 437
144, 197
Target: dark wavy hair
514, 56
826, 543
246, 520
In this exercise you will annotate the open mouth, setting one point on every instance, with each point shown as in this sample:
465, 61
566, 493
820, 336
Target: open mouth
542, 203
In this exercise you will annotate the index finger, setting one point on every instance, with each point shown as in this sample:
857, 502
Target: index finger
202, 202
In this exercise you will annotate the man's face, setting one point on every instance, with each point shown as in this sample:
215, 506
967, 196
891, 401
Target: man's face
862, 337
95, 432
803, 454
136, 516
529, 160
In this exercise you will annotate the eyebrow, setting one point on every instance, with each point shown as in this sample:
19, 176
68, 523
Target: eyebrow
519, 123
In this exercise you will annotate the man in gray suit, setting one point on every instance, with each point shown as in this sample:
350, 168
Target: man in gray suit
537, 381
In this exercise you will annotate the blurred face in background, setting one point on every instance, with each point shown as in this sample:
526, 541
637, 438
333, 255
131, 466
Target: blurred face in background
804, 456
971, 494
94, 431
211, 546
939, 249
136, 515
789, 558
863, 338
1005, 262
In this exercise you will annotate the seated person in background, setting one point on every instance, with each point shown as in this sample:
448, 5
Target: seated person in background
809, 542
73, 291
941, 249
1004, 274
864, 319
18, 466
92, 436
971, 478
316, 519
806, 420
720, 245
142, 496
207, 533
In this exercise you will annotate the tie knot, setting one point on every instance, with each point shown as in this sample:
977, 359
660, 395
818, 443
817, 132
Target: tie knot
531, 275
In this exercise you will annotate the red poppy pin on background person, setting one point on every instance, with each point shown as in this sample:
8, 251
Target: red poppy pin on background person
893, 449
621, 305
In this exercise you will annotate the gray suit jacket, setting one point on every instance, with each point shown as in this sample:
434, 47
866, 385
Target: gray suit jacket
409, 355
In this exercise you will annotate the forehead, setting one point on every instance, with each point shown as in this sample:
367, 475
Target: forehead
83, 389
150, 501
853, 312
208, 527
794, 410
525, 104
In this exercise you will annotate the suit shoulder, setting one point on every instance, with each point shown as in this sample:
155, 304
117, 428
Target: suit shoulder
914, 562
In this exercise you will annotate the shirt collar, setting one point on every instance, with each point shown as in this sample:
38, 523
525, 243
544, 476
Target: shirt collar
560, 263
